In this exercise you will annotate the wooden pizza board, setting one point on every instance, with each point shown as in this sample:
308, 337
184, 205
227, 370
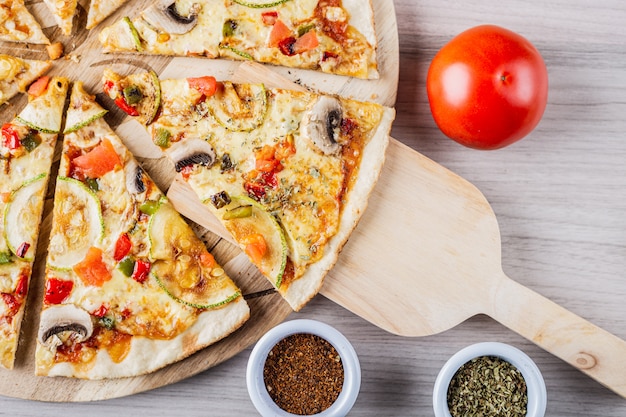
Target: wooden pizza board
83, 61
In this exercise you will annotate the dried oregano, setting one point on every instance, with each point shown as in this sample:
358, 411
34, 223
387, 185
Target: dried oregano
487, 386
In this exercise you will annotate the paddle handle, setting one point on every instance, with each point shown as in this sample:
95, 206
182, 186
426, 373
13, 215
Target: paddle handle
587, 347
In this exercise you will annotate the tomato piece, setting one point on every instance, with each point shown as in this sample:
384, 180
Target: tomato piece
306, 42
101, 311
280, 31
256, 247
269, 18
126, 108
487, 87
39, 87
108, 86
13, 305
286, 46
206, 85
267, 153
92, 270
22, 286
284, 150
22, 249
100, 160
57, 290
328, 55
207, 260
10, 137
141, 271
255, 190
264, 165
122, 247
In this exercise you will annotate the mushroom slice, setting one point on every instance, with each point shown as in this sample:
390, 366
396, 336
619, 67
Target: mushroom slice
134, 178
191, 152
321, 124
164, 15
61, 320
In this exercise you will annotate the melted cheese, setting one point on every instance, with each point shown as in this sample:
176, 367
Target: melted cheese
307, 199
351, 53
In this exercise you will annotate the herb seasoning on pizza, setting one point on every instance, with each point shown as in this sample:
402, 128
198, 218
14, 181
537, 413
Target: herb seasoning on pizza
287, 173
26, 153
129, 288
332, 36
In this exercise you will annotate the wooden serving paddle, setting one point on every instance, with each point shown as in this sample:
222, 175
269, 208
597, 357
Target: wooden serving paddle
422, 263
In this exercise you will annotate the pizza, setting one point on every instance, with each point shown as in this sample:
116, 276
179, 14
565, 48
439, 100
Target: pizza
287, 173
16, 74
18, 25
332, 36
27, 150
100, 10
129, 287
64, 11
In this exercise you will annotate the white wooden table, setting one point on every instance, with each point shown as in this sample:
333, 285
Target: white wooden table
560, 200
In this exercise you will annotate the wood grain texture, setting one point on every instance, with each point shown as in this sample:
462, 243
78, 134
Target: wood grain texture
558, 196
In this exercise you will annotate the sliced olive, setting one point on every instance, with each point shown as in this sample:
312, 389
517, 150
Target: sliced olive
220, 199
229, 28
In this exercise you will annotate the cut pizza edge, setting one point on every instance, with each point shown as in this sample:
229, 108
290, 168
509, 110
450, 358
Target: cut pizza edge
16, 74
100, 10
338, 38
244, 213
302, 290
137, 263
24, 19
63, 13
29, 148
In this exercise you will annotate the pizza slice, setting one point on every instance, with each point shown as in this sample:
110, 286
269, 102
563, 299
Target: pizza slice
332, 36
63, 12
18, 25
100, 10
27, 150
129, 287
287, 173
16, 74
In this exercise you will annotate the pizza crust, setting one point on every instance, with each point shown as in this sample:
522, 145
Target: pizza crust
300, 291
148, 355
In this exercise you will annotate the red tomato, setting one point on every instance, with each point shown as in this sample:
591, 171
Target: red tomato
92, 270
10, 137
98, 161
141, 271
39, 87
57, 290
280, 31
256, 247
122, 247
487, 87
306, 42
206, 85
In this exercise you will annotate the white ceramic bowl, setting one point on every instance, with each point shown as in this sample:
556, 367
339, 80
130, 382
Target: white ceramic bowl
351, 367
535, 385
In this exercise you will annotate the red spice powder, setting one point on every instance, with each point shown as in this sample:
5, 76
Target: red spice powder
303, 374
